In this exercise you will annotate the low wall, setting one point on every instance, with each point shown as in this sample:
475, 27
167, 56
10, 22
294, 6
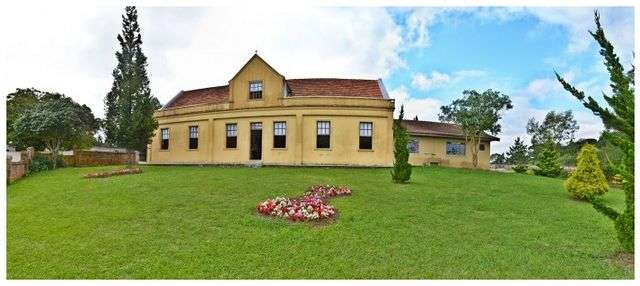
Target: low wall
16, 170
82, 158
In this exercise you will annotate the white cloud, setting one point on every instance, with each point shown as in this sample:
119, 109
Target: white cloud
73, 51
424, 108
617, 23
426, 82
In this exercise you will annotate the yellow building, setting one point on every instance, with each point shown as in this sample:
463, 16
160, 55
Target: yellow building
262, 118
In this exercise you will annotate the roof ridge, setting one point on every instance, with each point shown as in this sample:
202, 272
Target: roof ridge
198, 89
330, 78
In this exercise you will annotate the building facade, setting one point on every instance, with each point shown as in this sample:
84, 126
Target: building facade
261, 117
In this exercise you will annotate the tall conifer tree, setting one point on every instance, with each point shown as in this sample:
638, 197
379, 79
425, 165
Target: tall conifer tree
129, 105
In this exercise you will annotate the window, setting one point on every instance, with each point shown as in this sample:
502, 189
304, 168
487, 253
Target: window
455, 148
366, 133
413, 145
323, 134
481, 147
255, 89
193, 137
232, 135
279, 135
164, 143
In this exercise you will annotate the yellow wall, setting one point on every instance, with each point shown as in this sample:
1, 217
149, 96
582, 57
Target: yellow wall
433, 149
301, 137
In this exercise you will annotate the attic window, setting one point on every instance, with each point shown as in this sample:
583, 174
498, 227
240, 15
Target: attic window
255, 89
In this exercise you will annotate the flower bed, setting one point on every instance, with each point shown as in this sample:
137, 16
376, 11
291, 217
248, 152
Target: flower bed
119, 172
309, 207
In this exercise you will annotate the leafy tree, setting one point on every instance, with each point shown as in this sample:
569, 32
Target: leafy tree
129, 105
23, 100
498, 159
548, 161
556, 127
57, 123
476, 113
587, 180
619, 119
401, 172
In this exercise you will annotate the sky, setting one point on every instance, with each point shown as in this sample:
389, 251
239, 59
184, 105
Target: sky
426, 57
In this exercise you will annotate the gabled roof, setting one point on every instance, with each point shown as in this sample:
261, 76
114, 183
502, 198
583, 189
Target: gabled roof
438, 129
256, 57
329, 87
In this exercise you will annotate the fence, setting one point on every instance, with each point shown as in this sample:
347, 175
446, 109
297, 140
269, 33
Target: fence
19, 167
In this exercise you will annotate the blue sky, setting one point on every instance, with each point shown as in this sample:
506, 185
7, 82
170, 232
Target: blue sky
516, 54
425, 56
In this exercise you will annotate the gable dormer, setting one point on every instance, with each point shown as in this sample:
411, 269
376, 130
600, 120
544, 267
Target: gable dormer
256, 84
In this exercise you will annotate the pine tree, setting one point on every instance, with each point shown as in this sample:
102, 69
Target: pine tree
588, 179
518, 155
401, 172
129, 105
548, 161
620, 121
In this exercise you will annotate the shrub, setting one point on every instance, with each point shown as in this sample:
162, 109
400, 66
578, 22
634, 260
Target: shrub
520, 168
587, 180
40, 163
548, 162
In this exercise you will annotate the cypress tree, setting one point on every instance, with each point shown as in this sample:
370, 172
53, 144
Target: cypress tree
401, 172
518, 155
619, 120
129, 105
548, 161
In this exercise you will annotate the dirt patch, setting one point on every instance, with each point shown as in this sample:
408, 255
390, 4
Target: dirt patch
623, 259
119, 172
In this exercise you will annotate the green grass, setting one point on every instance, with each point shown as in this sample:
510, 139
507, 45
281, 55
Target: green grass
199, 222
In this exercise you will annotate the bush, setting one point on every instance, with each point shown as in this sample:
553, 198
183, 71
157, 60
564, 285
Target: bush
520, 168
43, 163
587, 180
548, 162
40, 163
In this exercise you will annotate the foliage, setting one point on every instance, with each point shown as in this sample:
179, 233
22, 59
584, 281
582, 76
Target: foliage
41, 163
518, 153
619, 119
498, 159
476, 113
569, 152
520, 168
611, 156
56, 123
24, 100
129, 105
548, 161
193, 212
556, 127
401, 172
587, 180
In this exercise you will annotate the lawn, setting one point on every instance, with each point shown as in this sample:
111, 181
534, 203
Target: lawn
200, 222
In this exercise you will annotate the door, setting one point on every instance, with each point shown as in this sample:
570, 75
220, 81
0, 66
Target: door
255, 150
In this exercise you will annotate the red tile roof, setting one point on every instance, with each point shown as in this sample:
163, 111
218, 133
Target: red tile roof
331, 87
438, 129
335, 87
210, 95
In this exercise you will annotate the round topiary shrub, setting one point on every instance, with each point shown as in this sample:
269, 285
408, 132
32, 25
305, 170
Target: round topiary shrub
587, 180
